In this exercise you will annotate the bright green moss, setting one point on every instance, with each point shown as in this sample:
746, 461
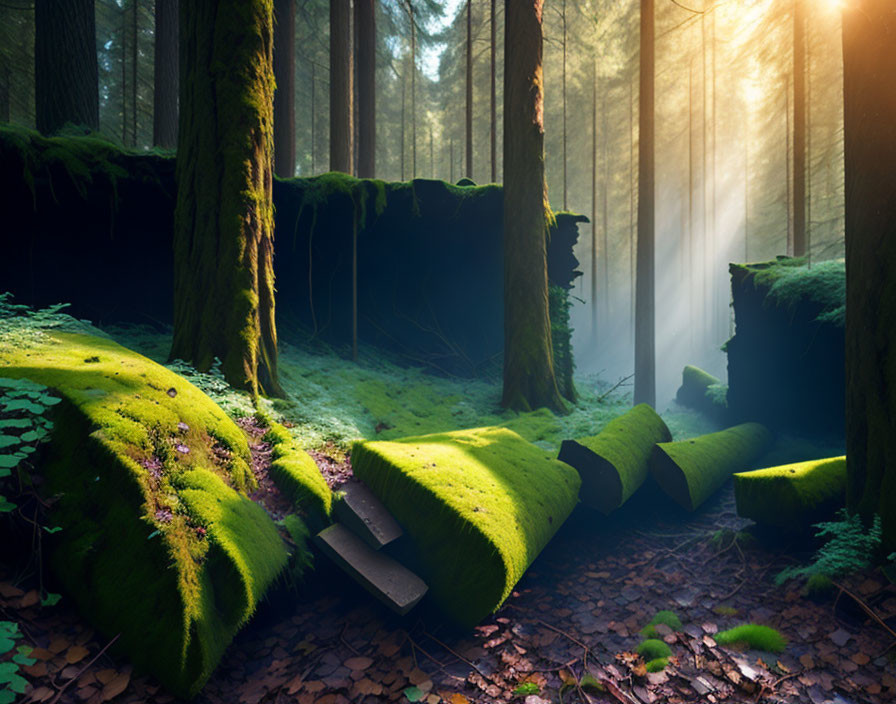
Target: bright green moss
667, 618
657, 665
752, 636
819, 585
614, 463
652, 649
297, 476
158, 541
792, 496
723, 610
478, 506
690, 471
702, 391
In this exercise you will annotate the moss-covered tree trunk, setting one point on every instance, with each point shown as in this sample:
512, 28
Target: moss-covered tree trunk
341, 130
645, 342
65, 65
869, 64
285, 95
223, 240
529, 380
164, 104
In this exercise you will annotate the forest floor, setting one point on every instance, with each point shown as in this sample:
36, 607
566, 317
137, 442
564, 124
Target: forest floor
576, 612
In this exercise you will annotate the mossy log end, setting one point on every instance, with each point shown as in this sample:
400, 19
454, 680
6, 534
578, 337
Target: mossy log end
702, 391
224, 219
614, 463
792, 496
690, 471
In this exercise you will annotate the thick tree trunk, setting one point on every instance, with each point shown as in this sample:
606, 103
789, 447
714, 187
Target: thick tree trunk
869, 64
164, 119
65, 65
285, 94
493, 110
469, 101
799, 129
365, 21
645, 348
529, 380
341, 131
223, 246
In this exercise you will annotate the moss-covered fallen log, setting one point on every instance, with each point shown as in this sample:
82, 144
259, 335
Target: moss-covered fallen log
614, 463
690, 471
477, 507
792, 496
702, 391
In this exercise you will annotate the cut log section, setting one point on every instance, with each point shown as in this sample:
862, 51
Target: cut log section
614, 463
792, 496
364, 514
690, 471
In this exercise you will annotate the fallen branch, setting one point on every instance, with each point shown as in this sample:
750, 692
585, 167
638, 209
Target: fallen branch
614, 387
867, 609
83, 670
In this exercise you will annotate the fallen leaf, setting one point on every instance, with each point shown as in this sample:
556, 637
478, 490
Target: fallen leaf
30, 599
359, 663
366, 686
116, 686
457, 699
807, 661
106, 676
57, 645
76, 654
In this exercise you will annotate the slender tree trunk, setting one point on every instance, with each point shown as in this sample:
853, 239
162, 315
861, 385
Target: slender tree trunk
469, 86
799, 130
313, 118
645, 349
413, 91
451, 160
4, 93
789, 249
692, 274
341, 131
605, 201
134, 88
285, 93
529, 380
65, 64
165, 83
565, 157
808, 35
869, 64
632, 230
223, 237
124, 75
493, 106
594, 201
401, 132
365, 20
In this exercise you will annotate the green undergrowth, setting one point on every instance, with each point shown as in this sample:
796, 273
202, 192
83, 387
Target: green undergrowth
653, 648
667, 618
657, 664
754, 637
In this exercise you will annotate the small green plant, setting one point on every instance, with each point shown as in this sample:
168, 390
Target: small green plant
657, 664
652, 649
849, 548
819, 585
756, 637
12, 684
526, 688
667, 618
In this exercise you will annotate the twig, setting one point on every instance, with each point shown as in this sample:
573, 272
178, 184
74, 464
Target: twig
614, 387
415, 644
83, 669
867, 609
457, 655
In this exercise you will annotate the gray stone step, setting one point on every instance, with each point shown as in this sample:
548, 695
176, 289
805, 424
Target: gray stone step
365, 515
390, 582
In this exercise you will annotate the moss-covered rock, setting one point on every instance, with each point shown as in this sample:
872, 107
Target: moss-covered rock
792, 496
297, 476
614, 463
690, 471
158, 543
478, 506
702, 391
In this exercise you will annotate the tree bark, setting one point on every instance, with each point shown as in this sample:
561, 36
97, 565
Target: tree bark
594, 201
164, 118
869, 63
341, 131
645, 347
493, 111
799, 129
365, 20
65, 65
133, 86
565, 159
4, 93
469, 102
285, 93
529, 380
223, 246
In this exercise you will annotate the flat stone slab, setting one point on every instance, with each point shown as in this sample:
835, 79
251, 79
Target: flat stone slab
387, 580
365, 515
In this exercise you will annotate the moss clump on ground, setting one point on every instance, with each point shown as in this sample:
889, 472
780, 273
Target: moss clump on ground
652, 649
297, 476
657, 665
159, 542
667, 618
792, 496
690, 471
754, 637
478, 506
614, 463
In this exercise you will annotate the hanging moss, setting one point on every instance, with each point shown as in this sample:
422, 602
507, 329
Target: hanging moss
614, 463
690, 471
792, 496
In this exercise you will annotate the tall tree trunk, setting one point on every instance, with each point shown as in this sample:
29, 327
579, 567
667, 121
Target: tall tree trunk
594, 201
529, 380
223, 235
65, 64
869, 64
565, 159
789, 249
134, 88
413, 90
124, 75
4, 93
469, 103
645, 348
285, 93
632, 229
799, 129
605, 203
365, 21
341, 131
402, 130
493, 109
164, 117
313, 118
